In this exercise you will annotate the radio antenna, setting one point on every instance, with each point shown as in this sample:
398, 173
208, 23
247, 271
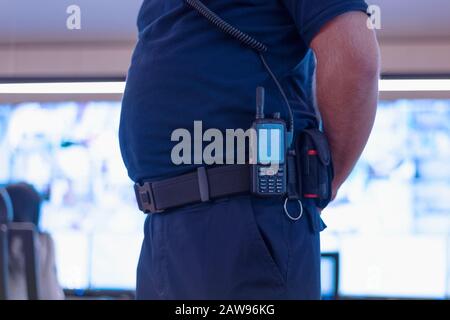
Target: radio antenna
260, 98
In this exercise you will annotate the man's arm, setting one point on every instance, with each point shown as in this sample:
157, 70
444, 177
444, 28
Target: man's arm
347, 87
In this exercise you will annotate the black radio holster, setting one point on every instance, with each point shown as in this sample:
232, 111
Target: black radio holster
313, 174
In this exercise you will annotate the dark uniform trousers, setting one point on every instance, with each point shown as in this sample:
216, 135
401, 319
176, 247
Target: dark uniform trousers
235, 248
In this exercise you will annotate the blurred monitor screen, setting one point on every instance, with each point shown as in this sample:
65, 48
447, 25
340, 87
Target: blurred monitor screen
393, 266
399, 190
70, 153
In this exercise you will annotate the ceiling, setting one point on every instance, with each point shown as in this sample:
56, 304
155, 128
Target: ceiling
25, 21
45, 20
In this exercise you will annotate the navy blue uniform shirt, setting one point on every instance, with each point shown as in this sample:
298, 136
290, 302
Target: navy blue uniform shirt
184, 69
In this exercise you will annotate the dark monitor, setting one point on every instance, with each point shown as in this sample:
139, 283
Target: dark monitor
5, 216
3, 262
26, 232
329, 271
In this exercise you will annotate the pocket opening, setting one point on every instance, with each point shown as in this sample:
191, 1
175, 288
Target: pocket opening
263, 243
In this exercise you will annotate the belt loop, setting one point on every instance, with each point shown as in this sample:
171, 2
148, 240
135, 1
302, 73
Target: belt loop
203, 184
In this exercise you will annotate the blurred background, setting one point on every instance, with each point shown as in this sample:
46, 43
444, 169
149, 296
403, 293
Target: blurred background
388, 232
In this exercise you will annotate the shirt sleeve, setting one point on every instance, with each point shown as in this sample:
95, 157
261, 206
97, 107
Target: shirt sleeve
311, 15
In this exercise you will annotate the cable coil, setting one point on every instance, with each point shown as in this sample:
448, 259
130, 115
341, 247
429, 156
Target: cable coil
226, 27
245, 39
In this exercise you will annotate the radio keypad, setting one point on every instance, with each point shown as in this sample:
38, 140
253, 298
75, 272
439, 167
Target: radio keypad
271, 181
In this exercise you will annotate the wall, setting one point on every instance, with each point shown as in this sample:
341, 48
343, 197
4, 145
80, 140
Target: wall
86, 60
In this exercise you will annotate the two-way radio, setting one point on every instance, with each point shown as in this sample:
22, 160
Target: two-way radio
268, 151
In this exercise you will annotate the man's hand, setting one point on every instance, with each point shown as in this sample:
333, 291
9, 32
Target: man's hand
347, 88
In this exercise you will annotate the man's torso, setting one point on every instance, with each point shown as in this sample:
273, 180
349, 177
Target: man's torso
185, 69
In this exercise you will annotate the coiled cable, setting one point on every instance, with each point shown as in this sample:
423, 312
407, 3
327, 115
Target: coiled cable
226, 27
247, 40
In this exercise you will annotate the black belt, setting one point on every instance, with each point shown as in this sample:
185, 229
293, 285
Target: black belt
202, 185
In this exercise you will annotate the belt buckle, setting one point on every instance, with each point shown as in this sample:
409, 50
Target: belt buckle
145, 198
